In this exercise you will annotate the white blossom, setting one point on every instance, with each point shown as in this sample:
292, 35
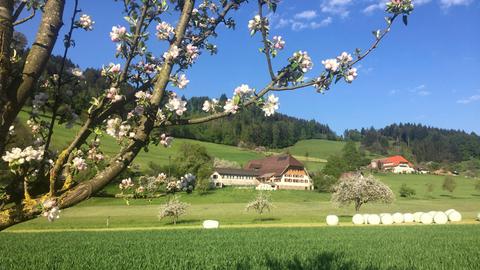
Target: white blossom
85, 22
126, 183
165, 140
17, 156
345, 58
351, 75
209, 106
79, 164
172, 53
142, 95
164, 30
176, 105
118, 33
76, 72
271, 105
331, 64
303, 60
230, 106
243, 90
278, 43
191, 53
117, 129
114, 94
52, 214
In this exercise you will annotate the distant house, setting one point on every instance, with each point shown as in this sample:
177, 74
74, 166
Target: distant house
395, 164
281, 172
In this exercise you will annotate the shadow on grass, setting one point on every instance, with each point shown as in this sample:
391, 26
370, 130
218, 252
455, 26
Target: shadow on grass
266, 219
185, 222
325, 260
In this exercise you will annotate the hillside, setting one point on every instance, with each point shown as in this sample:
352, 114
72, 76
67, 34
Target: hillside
319, 150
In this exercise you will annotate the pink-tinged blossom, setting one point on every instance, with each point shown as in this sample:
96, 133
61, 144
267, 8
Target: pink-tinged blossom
111, 69
351, 75
94, 155
303, 60
52, 214
345, 58
142, 95
243, 90
191, 53
172, 53
271, 105
140, 189
126, 183
176, 105
165, 140
181, 81
117, 129
114, 94
79, 164
230, 107
209, 106
164, 30
278, 43
85, 22
118, 33
331, 64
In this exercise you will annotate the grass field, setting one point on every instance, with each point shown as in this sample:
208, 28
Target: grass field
397, 247
291, 207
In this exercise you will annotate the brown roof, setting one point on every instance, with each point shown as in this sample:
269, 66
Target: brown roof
240, 172
274, 164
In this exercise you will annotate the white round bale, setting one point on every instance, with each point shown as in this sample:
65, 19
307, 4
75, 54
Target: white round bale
373, 219
365, 218
440, 218
478, 216
455, 216
211, 224
426, 218
332, 220
358, 219
449, 211
408, 218
387, 219
432, 213
417, 216
397, 218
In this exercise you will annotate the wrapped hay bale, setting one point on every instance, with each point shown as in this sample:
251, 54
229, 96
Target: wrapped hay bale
210, 224
478, 216
455, 216
417, 216
358, 219
426, 218
408, 218
440, 218
374, 219
449, 211
432, 213
397, 218
387, 219
365, 218
332, 220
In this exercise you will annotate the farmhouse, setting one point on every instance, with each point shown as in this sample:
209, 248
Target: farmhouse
395, 164
282, 172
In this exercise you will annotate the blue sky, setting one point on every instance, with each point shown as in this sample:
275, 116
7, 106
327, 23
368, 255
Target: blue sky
424, 73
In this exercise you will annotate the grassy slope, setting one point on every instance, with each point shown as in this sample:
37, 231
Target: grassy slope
319, 150
346, 248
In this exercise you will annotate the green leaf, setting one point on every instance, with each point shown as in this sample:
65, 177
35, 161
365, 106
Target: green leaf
405, 20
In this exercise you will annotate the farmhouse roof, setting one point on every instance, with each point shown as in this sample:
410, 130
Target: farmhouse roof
239, 172
395, 161
274, 165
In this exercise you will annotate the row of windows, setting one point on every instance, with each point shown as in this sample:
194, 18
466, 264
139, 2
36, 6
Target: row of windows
293, 175
237, 177
288, 180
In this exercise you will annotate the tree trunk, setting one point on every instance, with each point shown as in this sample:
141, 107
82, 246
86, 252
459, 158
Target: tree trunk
18, 91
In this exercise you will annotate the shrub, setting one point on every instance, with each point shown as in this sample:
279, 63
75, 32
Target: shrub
406, 191
449, 184
323, 183
174, 208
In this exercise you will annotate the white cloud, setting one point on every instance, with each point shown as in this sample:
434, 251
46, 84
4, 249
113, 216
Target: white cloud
469, 99
306, 15
336, 7
300, 21
424, 93
450, 3
421, 90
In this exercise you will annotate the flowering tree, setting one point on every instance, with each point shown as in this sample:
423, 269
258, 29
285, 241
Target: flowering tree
359, 190
260, 204
173, 208
137, 107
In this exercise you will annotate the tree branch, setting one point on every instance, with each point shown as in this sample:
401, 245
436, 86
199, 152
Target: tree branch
26, 18
266, 47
